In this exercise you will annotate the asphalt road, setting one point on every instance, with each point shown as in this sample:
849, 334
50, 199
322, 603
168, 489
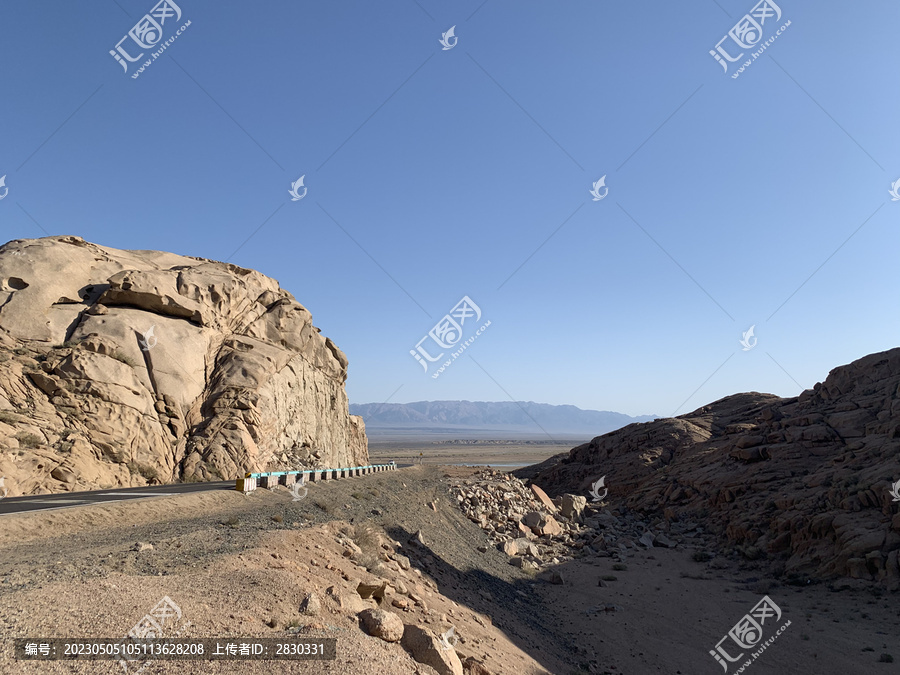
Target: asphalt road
64, 500
67, 499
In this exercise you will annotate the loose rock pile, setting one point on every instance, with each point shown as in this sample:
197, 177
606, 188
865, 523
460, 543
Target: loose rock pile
537, 532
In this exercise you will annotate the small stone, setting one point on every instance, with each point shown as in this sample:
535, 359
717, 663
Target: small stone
663, 540
473, 667
374, 590
310, 605
142, 546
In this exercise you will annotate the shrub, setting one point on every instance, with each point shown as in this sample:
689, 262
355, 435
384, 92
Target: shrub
324, 506
147, 472
119, 356
9, 418
620, 567
27, 440
369, 539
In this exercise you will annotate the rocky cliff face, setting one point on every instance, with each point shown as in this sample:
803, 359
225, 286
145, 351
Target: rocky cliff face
801, 483
123, 367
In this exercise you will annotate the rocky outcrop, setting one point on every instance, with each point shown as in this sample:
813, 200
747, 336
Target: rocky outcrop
801, 483
127, 367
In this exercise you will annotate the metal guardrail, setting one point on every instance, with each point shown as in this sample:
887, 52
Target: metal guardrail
251, 481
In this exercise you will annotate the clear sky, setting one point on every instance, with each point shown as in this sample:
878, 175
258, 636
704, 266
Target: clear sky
433, 174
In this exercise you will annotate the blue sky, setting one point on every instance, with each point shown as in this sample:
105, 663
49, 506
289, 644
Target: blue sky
435, 174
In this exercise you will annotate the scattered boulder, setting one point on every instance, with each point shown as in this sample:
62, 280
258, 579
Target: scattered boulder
543, 498
572, 506
381, 624
425, 648
663, 540
374, 589
402, 560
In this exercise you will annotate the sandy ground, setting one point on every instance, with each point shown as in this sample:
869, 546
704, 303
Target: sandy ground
481, 453
239, 565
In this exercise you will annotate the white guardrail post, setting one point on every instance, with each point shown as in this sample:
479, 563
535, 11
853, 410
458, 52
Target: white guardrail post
251, 481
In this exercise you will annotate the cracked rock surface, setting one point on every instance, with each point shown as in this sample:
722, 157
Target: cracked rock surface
119, 368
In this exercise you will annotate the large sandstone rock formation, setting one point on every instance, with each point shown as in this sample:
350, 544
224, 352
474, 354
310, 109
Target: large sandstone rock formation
803, 482
123, 367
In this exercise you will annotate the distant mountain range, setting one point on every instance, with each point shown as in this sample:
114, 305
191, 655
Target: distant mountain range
477, 418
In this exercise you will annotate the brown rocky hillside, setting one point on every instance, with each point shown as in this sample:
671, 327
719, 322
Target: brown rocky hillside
801, 483
123, 367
